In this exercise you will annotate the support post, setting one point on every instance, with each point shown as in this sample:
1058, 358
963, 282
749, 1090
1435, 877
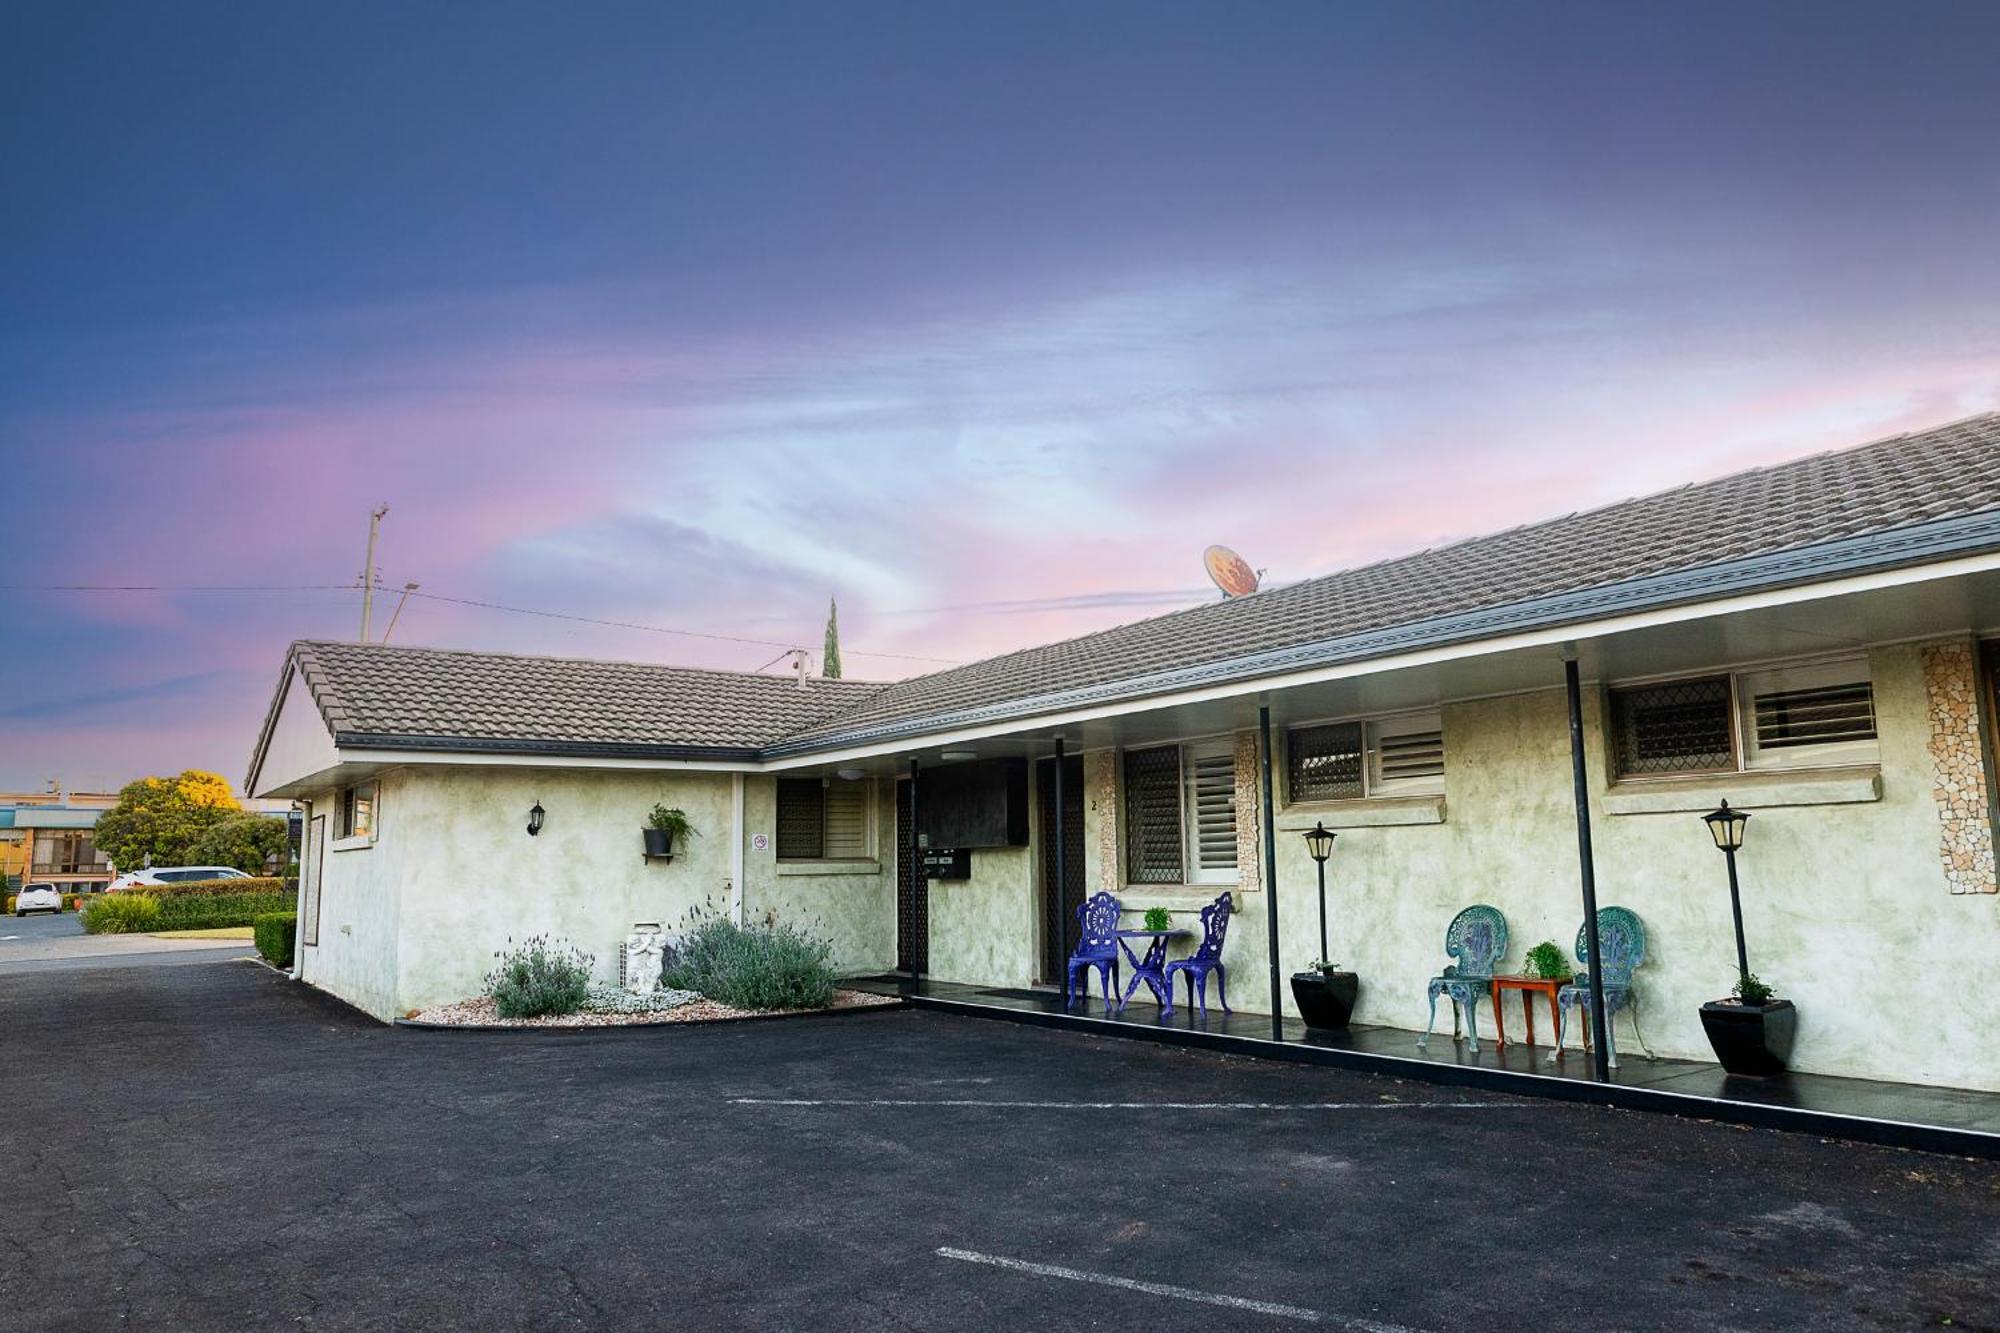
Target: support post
1580, 774
916, 867
1268, 820
1061, 888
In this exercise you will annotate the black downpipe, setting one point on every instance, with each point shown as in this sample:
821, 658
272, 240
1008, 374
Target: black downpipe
916, 867
1061, 888
1267, 816
1580, 773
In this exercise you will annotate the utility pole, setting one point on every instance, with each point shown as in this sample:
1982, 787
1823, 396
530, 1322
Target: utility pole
368, 568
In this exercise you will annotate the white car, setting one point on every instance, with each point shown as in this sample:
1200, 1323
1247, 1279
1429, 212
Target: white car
37, 898
139, 879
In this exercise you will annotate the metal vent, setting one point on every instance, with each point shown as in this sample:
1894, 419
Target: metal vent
1212, 811
1824, 716
1414, 754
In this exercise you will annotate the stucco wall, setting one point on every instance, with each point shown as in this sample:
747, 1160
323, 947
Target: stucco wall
452, 877
851, 904
1846, 907
355, 957
473, 879
986, 928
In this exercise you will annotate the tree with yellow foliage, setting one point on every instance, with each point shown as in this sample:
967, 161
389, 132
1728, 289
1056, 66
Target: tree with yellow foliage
160, 818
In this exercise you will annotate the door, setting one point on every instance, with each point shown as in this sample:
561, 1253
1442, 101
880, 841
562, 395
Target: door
1059, 901
913, 894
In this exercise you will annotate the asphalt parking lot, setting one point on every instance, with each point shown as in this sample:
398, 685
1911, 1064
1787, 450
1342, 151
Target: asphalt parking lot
219, 1148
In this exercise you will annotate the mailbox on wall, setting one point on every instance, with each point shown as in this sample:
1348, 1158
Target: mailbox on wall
947, 863
983, 803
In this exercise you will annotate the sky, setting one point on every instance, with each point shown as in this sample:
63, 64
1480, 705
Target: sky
984, 318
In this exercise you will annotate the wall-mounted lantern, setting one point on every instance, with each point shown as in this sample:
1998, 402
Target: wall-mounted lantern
535, 813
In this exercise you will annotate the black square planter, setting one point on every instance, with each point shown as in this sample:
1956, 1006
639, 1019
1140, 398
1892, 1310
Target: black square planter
1325, 999
1754, 1039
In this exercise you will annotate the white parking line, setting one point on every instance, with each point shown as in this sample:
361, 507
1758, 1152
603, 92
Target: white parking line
1297, 1313
1121, 1106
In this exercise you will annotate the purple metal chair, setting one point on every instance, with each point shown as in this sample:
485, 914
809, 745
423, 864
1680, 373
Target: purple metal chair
1097, 948
1206, 958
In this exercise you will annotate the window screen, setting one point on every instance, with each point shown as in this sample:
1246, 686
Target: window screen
801, 819
1153, 816
1324, 763
1679, 727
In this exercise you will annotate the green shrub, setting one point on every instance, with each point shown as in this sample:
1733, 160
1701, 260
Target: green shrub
213, 911
10, 904
1546, 961
218, 888
274, 933
539, 978
777, 966
121, 914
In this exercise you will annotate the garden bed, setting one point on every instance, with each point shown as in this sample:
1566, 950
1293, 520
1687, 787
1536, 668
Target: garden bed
482, 1013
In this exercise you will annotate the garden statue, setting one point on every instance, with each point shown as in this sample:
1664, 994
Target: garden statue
639, 962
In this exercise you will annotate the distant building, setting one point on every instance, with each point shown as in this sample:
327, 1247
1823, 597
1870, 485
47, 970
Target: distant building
48, 836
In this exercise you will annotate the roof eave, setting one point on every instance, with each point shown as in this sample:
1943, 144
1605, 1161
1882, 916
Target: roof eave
549, 749
1867, 553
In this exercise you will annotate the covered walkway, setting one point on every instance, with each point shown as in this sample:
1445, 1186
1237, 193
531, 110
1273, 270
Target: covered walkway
1947, 1120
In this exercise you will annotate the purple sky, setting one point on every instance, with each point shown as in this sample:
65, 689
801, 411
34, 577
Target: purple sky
983, 318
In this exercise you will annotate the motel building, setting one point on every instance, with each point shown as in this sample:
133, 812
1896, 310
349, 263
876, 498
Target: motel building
1511, 722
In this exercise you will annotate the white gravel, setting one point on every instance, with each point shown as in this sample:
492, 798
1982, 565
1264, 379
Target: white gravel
482, 1013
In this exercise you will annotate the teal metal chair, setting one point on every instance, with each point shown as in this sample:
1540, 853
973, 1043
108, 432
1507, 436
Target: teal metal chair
1622, 937
1477, 940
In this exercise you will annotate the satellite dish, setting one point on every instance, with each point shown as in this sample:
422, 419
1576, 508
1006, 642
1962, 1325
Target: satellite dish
1231, 572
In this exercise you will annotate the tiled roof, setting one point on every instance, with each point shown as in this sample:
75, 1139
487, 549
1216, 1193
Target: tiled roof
1907, 479
374, 692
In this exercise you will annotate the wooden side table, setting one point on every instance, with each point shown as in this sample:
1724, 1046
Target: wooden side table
1529, 987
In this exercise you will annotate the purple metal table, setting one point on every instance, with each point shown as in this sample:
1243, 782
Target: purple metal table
1152, 968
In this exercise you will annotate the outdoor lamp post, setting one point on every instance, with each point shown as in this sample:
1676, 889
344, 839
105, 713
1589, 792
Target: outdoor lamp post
1726, 827
1319, 842
535, 814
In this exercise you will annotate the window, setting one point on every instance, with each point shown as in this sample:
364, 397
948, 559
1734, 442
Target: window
1789, 717
1350, 761
1679, 727
822, 819
357, 812
1822, 714
1210, 817
1180, 814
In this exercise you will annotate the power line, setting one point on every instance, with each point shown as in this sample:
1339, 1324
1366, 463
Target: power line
456, 601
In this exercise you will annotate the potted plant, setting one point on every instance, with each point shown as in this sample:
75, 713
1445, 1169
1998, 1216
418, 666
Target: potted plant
1159, 920
1751, 1032
1325, 994
1546, 962
663, 826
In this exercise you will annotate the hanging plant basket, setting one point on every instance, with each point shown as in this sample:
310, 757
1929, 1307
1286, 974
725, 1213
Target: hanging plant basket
659, 844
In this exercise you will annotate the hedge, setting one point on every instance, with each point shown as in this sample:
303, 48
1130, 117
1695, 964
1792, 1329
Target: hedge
212, 911
275, 932
216, 888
